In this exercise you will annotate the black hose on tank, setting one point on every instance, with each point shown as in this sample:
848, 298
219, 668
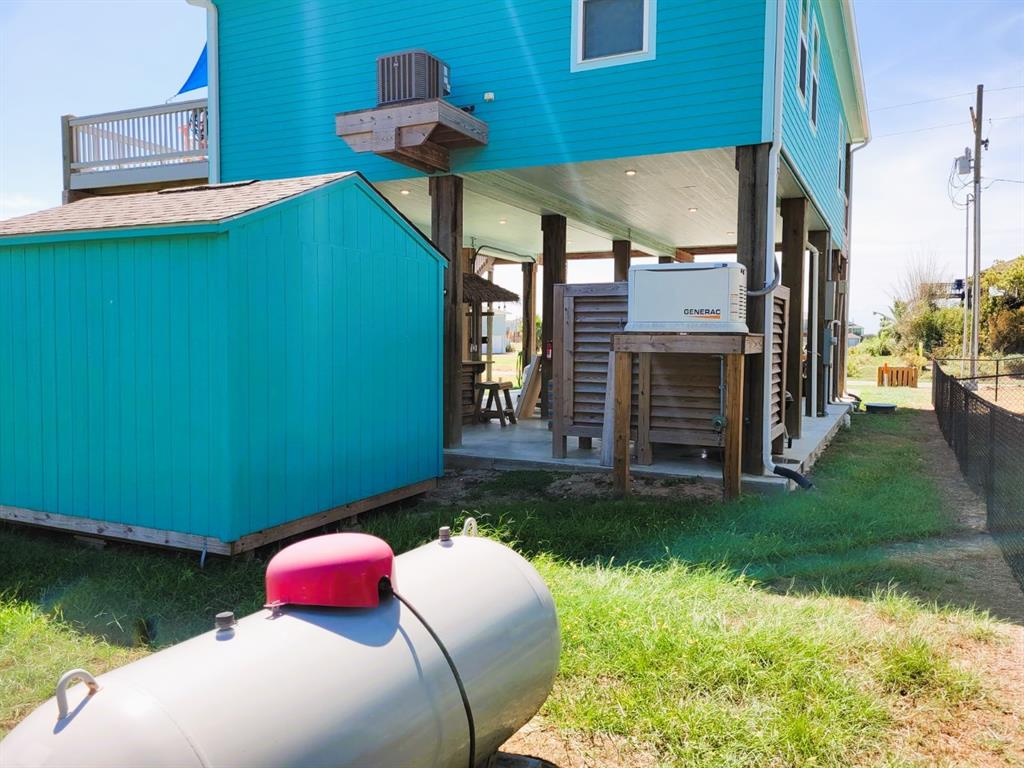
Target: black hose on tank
795, 476
387, 590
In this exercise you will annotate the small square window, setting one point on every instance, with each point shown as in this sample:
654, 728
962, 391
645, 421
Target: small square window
612, 27
608, 32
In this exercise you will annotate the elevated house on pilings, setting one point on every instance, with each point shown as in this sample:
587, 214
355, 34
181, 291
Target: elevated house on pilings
571, 129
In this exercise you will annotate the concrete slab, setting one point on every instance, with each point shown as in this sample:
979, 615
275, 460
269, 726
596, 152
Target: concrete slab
527, 445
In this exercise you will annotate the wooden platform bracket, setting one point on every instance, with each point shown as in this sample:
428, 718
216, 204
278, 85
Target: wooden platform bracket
734, 348
420, 134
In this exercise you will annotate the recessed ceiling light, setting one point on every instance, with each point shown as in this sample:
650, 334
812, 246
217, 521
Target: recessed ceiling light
730, 233
503, 221
692, 210
631, 172
404, 191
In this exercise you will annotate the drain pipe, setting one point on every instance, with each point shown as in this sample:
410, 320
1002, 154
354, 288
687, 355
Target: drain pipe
212, 87
772, 272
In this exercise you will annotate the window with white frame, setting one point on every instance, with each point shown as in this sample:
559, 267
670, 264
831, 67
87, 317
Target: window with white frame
815, 58
805, 9
609, 32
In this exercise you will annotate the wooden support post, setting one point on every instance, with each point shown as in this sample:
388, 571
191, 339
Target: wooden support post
560, 408
620, 253
794, 250
67, 140
822, 240
752, 252
644, 452
732, 455
842, 315
553, 226
622, 388
529, 302
446, 234
839, 353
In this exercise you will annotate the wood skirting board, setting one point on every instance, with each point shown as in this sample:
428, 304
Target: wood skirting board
178, 540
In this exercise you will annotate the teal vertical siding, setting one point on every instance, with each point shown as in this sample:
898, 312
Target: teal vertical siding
288, 68
108, 409
815, 150
335, 356
220, 384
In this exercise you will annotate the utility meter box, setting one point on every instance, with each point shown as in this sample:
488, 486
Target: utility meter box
688, 298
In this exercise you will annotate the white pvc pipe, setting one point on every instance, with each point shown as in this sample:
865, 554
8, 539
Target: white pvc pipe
213, 87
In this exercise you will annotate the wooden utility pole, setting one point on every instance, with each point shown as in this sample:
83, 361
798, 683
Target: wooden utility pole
976, 116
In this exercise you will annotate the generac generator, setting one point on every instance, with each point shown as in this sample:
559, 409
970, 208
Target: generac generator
688, 298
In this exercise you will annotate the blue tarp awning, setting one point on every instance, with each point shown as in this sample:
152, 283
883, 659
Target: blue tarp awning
198, 78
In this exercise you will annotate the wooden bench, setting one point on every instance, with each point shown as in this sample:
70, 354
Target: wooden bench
505, 413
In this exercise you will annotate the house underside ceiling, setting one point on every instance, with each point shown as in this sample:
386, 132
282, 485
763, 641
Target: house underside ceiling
652, 207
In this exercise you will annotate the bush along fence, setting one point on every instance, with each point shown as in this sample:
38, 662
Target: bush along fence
988, 440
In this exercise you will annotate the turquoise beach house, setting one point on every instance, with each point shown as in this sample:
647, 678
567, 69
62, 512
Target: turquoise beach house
536, 132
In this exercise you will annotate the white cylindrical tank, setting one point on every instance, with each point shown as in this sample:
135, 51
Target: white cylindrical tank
326, 686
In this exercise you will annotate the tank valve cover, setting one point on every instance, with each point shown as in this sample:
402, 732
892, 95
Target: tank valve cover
339, 570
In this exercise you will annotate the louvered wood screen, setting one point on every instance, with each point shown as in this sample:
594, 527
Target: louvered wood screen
675, 397
780, 318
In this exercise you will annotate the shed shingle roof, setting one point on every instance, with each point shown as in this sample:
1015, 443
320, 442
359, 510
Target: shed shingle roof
185, 205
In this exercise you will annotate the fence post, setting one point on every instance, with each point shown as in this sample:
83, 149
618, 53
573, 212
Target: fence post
965, 462
989, 471
997, 381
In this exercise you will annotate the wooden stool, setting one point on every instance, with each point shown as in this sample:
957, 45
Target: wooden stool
494, 409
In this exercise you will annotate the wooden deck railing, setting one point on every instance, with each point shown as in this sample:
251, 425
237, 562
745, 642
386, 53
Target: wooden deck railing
147, 138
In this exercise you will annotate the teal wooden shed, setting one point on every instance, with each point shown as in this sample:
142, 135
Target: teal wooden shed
219, 366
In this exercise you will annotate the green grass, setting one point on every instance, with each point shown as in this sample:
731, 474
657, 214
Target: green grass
35, 649
703, 634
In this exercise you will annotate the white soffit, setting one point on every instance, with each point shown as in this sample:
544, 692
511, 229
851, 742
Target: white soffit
650, 207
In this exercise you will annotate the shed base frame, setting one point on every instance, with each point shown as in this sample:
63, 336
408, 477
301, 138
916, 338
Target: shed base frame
178, 540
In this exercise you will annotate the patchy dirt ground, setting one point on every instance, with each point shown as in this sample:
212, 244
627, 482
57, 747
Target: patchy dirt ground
983, 577
982, 732
465, 485
563, 750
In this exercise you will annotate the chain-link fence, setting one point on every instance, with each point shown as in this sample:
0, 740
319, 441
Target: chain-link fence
1000, 381
988, 440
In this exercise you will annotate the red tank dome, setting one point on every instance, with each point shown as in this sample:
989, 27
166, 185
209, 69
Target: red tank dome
339, 570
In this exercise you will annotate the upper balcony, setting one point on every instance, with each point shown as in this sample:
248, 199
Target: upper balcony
135, 149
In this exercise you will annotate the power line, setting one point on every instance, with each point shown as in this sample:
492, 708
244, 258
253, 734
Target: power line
940, 98
1008, 181
944, 125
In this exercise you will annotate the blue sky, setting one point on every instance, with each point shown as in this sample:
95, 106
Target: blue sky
84, 56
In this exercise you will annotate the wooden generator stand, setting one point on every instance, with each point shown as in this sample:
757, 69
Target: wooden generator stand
732, 346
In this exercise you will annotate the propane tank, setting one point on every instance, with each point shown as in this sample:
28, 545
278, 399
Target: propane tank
310, 681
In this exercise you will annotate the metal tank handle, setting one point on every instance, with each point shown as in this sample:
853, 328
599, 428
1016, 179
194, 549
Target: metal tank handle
469, 527
62, 688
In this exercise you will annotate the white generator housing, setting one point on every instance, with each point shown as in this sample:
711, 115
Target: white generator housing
688, 298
